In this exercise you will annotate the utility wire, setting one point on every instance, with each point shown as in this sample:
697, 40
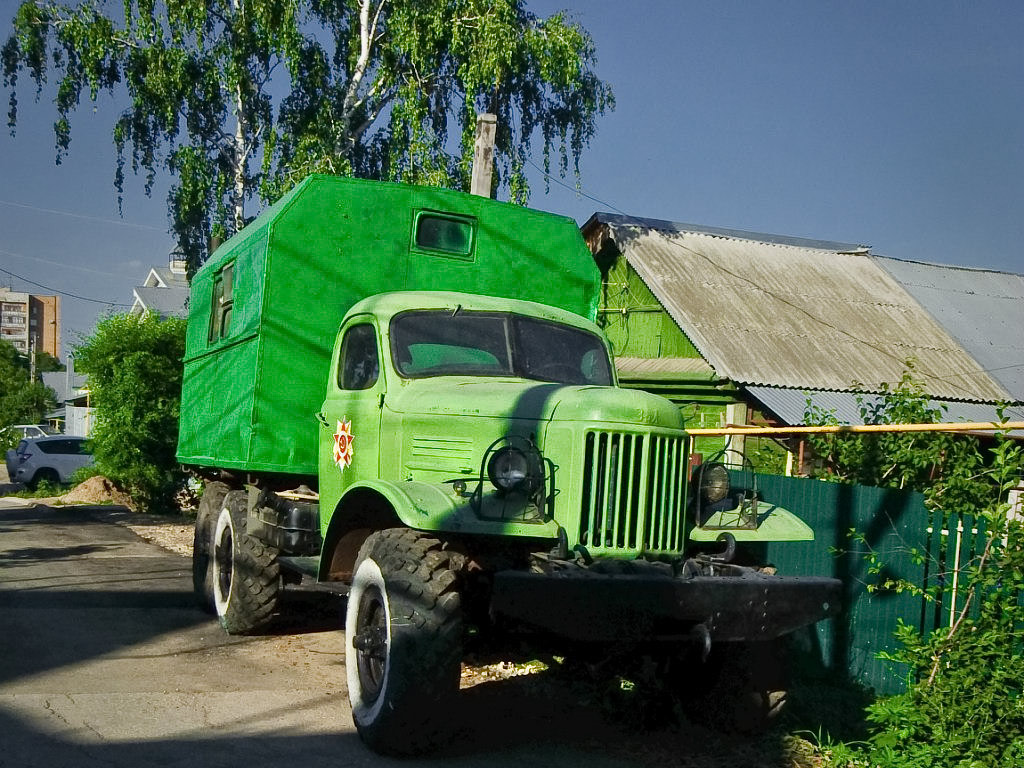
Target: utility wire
63, 293
577, 190
14, 255
82, 216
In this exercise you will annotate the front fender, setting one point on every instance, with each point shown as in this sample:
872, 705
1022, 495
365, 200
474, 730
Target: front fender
429, 507
774, 523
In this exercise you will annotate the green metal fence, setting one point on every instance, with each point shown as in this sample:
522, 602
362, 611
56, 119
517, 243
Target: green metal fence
893, 523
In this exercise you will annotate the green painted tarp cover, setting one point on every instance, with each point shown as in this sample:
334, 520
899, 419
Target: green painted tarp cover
255, 379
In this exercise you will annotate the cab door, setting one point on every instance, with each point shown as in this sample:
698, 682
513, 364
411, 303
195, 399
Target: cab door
351, 413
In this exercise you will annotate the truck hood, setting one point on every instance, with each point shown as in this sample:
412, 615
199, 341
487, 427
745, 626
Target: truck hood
531, 400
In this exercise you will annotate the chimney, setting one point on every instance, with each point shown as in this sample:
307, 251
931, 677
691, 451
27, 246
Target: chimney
483, 155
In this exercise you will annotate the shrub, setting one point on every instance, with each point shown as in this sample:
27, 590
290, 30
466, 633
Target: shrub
964, 703
134, 368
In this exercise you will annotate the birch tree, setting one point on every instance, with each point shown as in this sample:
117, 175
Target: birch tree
239, 98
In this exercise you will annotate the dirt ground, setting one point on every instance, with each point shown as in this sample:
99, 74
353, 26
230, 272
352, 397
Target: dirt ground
666, 738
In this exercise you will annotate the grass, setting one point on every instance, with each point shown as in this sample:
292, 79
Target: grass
44, 490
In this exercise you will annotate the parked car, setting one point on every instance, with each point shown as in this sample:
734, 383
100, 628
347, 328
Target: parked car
13, 457
53, 458
29, 430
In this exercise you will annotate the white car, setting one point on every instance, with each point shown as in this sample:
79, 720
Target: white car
29, 430
53, 459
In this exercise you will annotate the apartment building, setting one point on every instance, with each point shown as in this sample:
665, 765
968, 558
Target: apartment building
28, 320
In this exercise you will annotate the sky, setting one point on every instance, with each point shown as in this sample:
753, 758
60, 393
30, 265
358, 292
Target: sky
897, 124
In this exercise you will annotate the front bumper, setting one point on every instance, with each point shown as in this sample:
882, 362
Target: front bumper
743, 605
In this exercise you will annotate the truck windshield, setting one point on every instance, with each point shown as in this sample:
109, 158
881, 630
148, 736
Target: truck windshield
442, 343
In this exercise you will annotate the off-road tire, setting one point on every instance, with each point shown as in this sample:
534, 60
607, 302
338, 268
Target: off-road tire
403, 642
246, 576
210, 505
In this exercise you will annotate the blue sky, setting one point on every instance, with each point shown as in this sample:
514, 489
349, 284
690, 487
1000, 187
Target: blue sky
894, 124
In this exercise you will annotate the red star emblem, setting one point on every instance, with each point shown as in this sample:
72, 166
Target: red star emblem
343, 444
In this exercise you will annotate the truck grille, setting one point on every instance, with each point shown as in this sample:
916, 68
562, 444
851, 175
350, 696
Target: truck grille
633, 493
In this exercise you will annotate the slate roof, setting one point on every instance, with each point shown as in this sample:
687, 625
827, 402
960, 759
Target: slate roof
790, 405
982, 309
775, 311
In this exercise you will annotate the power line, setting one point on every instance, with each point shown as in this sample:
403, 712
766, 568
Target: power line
12, 254
82, 216
63, 293
577, 190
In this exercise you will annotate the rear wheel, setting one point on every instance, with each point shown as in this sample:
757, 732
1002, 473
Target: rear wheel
246, 577
44, 475
210, 505
403, 635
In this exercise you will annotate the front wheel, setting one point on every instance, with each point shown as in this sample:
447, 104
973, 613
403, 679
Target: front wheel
403, 636
742, 687
246, 576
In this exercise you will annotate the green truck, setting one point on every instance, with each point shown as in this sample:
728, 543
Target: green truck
401, 392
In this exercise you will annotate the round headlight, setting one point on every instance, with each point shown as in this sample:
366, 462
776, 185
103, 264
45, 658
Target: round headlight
714, 482
508, 469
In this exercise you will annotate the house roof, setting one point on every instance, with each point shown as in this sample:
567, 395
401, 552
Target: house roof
665, 366
59, 382
163, 277
768, 310
167, 302
982, 309
790, 405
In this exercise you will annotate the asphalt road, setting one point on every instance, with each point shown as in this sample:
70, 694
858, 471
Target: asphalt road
106, 661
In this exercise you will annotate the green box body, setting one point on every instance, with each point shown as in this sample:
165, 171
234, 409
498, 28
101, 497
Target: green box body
250, 395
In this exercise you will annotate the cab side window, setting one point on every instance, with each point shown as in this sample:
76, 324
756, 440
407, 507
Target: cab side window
358, 363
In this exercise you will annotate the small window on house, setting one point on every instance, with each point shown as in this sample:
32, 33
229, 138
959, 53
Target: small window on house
220, 312
445, 234
358, 363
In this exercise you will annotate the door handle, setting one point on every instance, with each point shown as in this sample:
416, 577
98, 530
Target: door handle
323, 420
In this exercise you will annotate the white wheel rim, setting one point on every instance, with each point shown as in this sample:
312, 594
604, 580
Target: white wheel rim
364, 708
223, 572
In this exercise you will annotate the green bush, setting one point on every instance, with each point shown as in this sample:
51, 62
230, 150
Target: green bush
964, 703
134, 367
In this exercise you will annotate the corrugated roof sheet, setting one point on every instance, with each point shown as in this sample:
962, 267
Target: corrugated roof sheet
674, 226
981, 309
786, 312
642, 366
790, 405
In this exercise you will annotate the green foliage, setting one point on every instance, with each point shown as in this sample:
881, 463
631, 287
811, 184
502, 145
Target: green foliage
134, 367
893, 460
767, 457
21, 401
964, 705
47, 363
371, 88
46, 489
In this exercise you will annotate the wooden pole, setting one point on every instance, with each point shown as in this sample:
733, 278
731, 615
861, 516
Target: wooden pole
483, 155
833, 429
